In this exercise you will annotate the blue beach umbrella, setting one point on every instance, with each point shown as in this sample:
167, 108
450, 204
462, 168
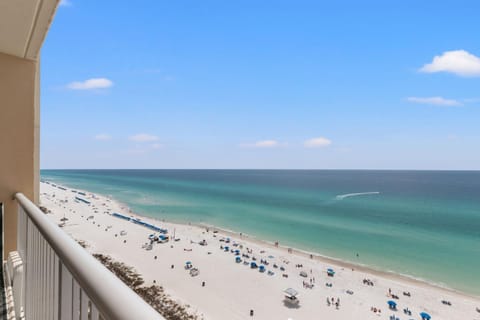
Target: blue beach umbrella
261, 268
392, 304
425, 316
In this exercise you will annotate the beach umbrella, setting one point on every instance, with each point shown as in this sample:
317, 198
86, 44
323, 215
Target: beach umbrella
425, 316
188, 262
392, 304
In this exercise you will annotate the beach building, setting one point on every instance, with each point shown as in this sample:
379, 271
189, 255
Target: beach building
48, 275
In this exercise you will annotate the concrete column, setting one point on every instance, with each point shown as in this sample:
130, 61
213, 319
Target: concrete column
19, 138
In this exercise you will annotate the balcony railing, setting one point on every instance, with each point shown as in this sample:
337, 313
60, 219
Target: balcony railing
62, 281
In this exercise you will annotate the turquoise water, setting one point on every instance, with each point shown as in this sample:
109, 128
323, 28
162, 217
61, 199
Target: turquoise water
425, 224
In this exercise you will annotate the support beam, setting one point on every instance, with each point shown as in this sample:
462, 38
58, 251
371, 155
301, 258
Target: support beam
19, 132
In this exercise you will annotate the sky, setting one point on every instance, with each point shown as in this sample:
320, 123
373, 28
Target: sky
262, 84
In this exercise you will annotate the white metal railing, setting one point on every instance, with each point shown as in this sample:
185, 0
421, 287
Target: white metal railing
62, 281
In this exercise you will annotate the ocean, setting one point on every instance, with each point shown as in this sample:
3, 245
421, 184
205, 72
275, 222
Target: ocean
424, 224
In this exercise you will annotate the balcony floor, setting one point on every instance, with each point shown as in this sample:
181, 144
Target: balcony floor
3, 303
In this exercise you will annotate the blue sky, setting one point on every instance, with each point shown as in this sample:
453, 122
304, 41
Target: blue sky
262, 84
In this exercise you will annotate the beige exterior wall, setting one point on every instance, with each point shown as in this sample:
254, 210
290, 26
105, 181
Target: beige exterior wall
19, 138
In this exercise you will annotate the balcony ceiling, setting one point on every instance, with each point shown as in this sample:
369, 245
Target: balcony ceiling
24, 25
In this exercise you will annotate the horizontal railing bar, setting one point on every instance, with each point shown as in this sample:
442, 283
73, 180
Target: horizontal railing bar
114, 299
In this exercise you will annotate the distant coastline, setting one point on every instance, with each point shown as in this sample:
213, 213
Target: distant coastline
316, 256
305, 248
349, 275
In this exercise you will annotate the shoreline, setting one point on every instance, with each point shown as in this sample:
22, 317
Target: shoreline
339, 262
234, 288
295, 251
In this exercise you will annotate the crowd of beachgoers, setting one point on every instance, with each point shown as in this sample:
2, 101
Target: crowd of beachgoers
217, 274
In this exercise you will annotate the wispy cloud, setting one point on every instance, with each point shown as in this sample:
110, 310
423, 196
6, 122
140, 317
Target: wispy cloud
436, 101
103, 137
157, 146
318, 142
459, 62
90, 84
143, 137
65, 3
262, 144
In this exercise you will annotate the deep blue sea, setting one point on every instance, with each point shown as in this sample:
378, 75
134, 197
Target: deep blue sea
425, 224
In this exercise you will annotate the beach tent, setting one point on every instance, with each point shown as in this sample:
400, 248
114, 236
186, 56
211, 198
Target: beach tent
253, 265
238, 259
237, 252
330, 272
226, 248
392, 304
261, 268
291, 296
425, 316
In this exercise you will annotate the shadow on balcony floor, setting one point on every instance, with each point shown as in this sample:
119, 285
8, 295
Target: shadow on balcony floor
3, 303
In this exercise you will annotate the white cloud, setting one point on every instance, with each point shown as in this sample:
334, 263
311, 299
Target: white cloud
65, 3
318, 142
157, 145
143, 137
262, 144
103, 137
436, 101
90, 84
266, 144
459, 62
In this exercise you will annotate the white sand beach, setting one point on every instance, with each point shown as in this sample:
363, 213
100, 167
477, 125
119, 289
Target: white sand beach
231, 290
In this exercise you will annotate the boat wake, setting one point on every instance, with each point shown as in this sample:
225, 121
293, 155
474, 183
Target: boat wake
348, 195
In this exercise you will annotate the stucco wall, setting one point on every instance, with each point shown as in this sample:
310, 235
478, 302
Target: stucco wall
19, 124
